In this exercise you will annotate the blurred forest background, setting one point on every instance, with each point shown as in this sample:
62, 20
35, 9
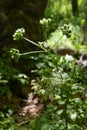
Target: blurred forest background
16, 77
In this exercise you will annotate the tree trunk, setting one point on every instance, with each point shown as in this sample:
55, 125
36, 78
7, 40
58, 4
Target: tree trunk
20, 13
74, 7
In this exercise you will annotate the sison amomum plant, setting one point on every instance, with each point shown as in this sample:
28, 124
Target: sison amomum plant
20, 35
59, 84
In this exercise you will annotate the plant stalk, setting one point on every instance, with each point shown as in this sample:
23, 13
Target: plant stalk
66, 121
57, 41
34, 44
26, 53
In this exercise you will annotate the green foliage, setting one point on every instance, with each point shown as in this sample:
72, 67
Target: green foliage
60, 82
60, 86
6, 121
74, 42
22, 78
67, 106
59, 11
12, 80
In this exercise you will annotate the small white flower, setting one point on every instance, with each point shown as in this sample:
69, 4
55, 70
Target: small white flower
69, 57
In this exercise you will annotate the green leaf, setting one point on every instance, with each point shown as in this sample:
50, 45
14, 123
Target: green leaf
45, 127
60, 112
73, 116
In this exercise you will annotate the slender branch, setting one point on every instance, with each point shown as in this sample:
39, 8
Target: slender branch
22, 123
66, 103
57, 41
26, 53
66, 120
34, 43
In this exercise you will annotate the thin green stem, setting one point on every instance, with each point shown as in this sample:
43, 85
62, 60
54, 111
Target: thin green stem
66, 103
26, 53
66, 120
34, 44
57, 41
